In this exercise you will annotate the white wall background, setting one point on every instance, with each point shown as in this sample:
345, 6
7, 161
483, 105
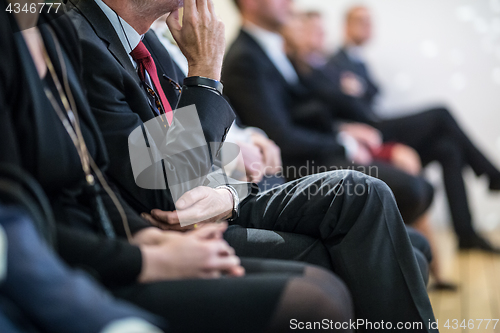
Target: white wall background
428, 52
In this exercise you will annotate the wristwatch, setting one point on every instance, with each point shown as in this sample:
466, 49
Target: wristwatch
200, 81
236, 201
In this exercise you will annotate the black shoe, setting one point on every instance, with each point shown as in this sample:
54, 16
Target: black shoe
477, 243
495, 184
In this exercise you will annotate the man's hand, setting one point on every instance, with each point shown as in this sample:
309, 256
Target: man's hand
166, 224
364, 134
201, 253
362, 156
200, 37
202, 204
253, 161
271, 153
406, 159
351, 85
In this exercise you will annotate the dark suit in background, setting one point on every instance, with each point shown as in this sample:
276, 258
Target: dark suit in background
263, 98
299, 119
435, 135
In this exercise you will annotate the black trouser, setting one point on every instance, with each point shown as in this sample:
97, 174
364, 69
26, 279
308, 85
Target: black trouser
287, 246
436, 136
413, 194
356, 219
248, 304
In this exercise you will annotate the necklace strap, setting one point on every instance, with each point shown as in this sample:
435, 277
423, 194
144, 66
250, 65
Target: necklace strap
71, 123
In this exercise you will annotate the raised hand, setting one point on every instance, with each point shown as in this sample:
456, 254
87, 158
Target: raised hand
200, 37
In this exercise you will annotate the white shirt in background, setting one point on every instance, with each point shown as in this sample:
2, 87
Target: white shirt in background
273, 45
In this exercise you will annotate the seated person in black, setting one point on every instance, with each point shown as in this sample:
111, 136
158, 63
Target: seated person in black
433, 133
305, 44
42, 109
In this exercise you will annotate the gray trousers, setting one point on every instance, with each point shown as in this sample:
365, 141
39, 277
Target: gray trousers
347, 222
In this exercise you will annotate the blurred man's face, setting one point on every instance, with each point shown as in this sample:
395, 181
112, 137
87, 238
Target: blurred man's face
315, 33
359, 26
275, 13
160, 7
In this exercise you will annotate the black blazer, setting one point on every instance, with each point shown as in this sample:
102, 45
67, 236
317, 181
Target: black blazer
263, 98
32, 137
341, 62
120, 105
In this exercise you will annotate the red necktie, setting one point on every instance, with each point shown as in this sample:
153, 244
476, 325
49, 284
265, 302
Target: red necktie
145, 62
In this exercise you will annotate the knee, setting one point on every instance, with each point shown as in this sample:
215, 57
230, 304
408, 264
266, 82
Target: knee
423, 265
355, 183
420, 243
447, 152
325, 298
423, 193
441, 113
419, 194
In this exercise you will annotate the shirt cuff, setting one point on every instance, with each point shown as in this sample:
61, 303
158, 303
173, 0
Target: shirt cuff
350, 144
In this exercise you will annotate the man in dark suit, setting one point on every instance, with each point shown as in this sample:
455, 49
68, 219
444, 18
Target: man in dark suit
313, 217
293, 114
433, 133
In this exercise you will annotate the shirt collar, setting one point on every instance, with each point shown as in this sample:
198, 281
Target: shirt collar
355, 53
273, 45
128, 36
271, 42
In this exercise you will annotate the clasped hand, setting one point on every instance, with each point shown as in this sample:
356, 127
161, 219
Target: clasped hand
200, 205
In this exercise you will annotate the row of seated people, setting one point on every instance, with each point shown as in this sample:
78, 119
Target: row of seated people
320, 112
96, 121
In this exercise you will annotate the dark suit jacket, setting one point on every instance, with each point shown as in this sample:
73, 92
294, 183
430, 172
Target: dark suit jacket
33, 138
341, 62
120, 104
263, 98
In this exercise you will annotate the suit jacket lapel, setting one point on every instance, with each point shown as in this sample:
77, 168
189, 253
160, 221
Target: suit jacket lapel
296, 89
105, 30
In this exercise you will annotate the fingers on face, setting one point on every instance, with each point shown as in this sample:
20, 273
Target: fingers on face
173, 22
202, 7
211, 7
190, 8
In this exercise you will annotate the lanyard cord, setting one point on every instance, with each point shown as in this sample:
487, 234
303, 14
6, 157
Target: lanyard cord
74, 129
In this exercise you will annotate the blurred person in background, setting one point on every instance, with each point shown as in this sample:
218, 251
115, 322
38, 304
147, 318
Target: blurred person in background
294, 116
434, 134
260, 159
263, 86
305, 43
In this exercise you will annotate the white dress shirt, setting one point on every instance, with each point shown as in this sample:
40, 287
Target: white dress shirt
128, 36
273, 45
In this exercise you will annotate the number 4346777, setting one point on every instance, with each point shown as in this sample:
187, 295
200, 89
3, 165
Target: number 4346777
33, 8
471, 324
